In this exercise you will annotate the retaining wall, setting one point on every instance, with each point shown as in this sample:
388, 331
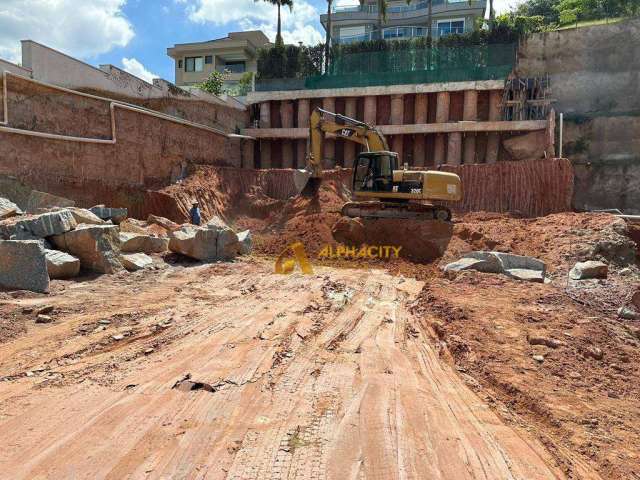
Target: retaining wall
595, 77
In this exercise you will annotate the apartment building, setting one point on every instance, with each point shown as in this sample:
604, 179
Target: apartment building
235, 54
360, 22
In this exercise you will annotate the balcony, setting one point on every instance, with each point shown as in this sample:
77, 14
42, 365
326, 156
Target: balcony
415, 12
398, 33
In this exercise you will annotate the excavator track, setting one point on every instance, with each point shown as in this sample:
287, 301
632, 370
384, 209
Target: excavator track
377, 209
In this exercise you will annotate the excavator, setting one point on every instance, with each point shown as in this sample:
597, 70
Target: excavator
381, 189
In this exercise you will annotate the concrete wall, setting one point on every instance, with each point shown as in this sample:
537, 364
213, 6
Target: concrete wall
149, 152
595, 77
13, 68
50, 66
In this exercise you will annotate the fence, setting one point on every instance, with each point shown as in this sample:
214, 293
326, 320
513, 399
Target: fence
408, 66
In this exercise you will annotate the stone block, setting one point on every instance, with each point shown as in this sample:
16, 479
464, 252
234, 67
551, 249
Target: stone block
589, 269
246, 242
136, 261
116, 215
23, 266
97, 247
45, 225
135, 243
61, 264
8, 209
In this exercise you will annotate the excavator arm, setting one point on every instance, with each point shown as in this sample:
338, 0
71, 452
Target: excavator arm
323, 122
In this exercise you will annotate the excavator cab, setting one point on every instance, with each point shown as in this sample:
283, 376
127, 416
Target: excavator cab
374, 172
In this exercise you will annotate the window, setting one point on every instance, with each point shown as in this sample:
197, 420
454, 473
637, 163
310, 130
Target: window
180, 63
447, 27
208, 59
194, 64
235, 67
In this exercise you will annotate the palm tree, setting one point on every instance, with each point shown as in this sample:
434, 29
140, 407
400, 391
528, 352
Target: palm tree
327, 42
280, 3
429, 22
381, 6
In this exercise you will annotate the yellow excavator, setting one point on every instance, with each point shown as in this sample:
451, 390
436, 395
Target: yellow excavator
380, 187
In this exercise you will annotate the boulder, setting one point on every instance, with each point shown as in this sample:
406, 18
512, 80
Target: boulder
132, 225
246, 242
97, 247
38, 200
514, 266
510, 261
116, 215
61, 264
44, 225
134, 242
136, 261
206, 243
163, 222
82, 215
195, 242
23, 266
480, 261
8, 209
589, 269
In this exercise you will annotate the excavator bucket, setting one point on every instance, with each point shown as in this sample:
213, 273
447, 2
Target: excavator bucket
301, 179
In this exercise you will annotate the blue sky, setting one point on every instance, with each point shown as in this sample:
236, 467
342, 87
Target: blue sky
134, 34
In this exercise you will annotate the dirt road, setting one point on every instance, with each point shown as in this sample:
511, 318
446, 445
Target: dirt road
323, 376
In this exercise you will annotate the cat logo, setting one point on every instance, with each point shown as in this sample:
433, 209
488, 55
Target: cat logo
285, 264
346, 132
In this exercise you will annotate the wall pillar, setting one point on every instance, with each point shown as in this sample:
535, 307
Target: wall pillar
370, 109
442, 116
419, 140
454, 148
350, 110
303, 122
470, 113
265, 145
286, 119
329, 160
493, 141
397, 118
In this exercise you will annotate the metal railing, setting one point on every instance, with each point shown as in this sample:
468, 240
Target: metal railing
392, 9
394, 33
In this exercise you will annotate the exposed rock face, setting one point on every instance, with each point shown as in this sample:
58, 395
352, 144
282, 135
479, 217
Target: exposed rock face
97, 247
116, 215
136, 261
61, 264
23, 266
589, 269
514, 266
134, 242
8, 209
246, 242
525, 147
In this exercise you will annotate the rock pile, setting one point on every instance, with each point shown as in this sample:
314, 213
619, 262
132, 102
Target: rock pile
60, 241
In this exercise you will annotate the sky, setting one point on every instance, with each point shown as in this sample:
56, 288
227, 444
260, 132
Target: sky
134, 34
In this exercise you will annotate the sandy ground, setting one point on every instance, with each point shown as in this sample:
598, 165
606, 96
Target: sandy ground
322, 376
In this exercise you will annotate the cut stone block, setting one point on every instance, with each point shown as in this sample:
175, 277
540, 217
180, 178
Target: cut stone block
61, 264
525, 274
8, 209
136, 261
116, 215
246, 242
134, 242
45, 225
97, 247
23, 266
38, 200
82, 215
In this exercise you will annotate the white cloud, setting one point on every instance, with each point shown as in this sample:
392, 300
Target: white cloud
134, 67
297, 24
79, 28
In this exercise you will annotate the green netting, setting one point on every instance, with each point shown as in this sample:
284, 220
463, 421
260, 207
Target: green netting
420, 65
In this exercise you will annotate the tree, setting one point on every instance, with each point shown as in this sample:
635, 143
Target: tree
213, 84
430, 22
327, 41
245, 83
280, 3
